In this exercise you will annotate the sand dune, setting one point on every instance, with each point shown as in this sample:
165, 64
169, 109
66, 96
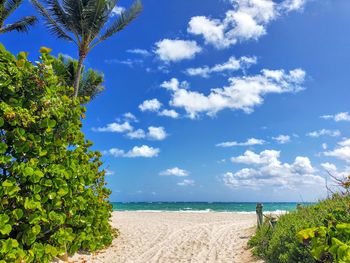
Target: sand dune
167, 237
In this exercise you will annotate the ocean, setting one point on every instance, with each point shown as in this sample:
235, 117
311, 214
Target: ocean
203, 207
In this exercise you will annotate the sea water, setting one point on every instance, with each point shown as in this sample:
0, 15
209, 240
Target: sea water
203, 207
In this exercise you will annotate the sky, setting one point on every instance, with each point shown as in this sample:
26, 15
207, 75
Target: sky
218, 100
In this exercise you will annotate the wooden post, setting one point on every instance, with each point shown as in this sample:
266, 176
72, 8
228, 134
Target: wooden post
273, 222
259, 214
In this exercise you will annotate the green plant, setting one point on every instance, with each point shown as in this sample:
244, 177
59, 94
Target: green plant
281, 244
331, 242
90, 81
7, 7
82, 22
53, 198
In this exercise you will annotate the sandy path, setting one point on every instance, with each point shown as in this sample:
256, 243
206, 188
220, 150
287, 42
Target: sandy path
167, 237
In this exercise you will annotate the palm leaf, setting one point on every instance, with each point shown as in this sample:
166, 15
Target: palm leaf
9, 6
51, 23
20, 26
125, 18
74, 10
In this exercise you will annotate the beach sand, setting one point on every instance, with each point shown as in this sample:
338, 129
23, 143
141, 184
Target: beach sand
167, 237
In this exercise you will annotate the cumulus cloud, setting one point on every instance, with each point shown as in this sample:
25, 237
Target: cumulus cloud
233, 64
137, 151
176, 171
130, 117
154, 133
115, 127
157, 133
169, 113
249, 142
186, 182
341, 116
150, 105
247, 20
268, 170
335, 173
324, 132
282, 139
242, 93
174, 50
342, 151
137, 134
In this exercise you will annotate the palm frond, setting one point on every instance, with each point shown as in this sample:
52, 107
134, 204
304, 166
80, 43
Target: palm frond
74, 10
125, 18
51, 23
58, 13
9, 6
96, 15
21, 26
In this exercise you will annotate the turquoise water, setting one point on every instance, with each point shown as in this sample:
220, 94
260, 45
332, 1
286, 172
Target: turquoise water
204, 207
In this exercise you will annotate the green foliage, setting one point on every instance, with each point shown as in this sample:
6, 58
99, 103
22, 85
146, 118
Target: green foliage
331, 242
53, 198
90, 81
281, 245
85, 23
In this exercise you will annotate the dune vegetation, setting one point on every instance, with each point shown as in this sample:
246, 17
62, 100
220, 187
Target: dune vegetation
316, 233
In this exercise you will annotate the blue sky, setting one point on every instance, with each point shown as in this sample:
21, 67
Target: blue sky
219, 100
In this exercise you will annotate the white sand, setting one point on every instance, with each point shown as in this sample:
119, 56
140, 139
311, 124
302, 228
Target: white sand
166, 237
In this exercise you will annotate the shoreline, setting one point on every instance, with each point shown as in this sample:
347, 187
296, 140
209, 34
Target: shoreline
172, 237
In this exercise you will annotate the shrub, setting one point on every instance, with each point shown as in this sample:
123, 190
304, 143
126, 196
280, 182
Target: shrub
331, 242
281, 244
53, 198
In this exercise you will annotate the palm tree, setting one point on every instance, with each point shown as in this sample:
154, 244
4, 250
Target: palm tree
7, 7
90, 81
82, 22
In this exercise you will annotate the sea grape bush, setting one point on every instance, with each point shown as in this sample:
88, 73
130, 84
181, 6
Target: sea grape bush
53, 198
282, 244
331, 242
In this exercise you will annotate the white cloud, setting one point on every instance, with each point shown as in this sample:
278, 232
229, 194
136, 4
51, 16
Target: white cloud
342, 151
174, 172
335, 173
138, 51
292, 5
324, 146
138, 134
247, 20
128, 62
232, 64
130, 117
329, 167
118, 10
282, 139
150, 105
157, 133
324, 132
174, 84
186, 182
115, 127
142, 151
109, 172
268, 170
170, 50
169, 113
341, 116
242, 93
154, 133
249, 142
